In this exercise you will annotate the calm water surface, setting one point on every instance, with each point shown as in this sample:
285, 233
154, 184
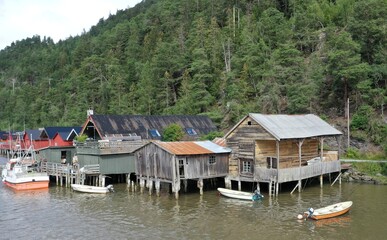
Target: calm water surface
60, 213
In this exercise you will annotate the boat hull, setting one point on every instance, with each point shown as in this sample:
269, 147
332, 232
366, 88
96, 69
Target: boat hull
330, 211
27, 185
89, 189
236, 194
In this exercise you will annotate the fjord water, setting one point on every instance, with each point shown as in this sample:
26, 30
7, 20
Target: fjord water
60, 213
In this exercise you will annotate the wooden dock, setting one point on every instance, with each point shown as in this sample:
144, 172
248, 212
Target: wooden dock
68, 174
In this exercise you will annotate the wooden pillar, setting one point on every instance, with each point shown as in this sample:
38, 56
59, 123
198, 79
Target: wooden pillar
150, 185
157, 186
321, 181
239, 185
142, 185
133, 186
227, 182
200, 186
176, 177
300, 142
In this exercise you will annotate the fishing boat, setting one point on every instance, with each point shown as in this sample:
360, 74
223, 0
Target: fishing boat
22, 171
92, 189
240, 195
330, 211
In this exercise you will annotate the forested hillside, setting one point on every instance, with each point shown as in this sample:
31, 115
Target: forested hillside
221, 58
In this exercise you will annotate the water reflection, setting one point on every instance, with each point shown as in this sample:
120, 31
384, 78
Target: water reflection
61, 213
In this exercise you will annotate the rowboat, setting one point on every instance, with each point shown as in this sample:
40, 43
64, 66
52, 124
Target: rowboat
330, 211
240, 195
92, 189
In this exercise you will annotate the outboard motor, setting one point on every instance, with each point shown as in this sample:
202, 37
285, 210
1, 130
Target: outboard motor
110, 187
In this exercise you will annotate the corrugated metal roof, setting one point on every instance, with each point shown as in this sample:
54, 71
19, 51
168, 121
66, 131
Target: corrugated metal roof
220, 141
192, 148
294, 126
215, 148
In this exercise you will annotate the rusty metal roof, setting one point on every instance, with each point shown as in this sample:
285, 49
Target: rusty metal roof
294, 126
220, 141
192, 148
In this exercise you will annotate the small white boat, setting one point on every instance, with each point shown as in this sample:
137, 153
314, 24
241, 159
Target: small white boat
92, 189
330, 211
240, 195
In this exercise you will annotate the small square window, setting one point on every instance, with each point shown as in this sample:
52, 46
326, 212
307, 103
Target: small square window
154, 133
211, 160
191, 131
246, 167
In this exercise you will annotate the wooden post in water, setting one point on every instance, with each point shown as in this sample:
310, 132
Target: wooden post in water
142, 185
200, 186
150, 185
227, 182
157, 186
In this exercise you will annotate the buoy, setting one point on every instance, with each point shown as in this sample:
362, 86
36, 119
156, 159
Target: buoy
300, 216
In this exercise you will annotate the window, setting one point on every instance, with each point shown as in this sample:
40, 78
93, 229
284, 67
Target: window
191, 131
246, 167
271, 162
211, 160
249, 123
154, 133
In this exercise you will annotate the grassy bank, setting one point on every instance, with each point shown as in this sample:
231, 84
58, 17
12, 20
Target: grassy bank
377, 171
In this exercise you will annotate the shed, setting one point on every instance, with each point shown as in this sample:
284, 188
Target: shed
280, 148
173, 162
56, 144
110, 127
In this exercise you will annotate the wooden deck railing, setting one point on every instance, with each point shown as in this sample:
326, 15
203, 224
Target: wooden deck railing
296, 173
109, 147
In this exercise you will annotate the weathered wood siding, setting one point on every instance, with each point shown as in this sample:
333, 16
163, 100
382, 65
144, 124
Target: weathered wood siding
288, 152
155, 162
198, 166
241, 141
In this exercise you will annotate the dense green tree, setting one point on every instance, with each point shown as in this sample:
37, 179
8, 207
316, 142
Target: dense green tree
173, 132
223, 59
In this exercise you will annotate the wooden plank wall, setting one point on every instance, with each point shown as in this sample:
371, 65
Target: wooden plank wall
241, 141
153, 161
288, 151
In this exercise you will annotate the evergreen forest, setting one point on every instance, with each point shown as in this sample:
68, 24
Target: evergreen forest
220, 58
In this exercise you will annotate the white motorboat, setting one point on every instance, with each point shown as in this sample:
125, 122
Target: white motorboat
240, 195
92, 189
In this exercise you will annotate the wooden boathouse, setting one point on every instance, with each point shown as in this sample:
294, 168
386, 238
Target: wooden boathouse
275, 149
112, 139
177, 162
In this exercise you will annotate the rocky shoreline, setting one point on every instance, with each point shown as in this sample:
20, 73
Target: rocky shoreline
352, 175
